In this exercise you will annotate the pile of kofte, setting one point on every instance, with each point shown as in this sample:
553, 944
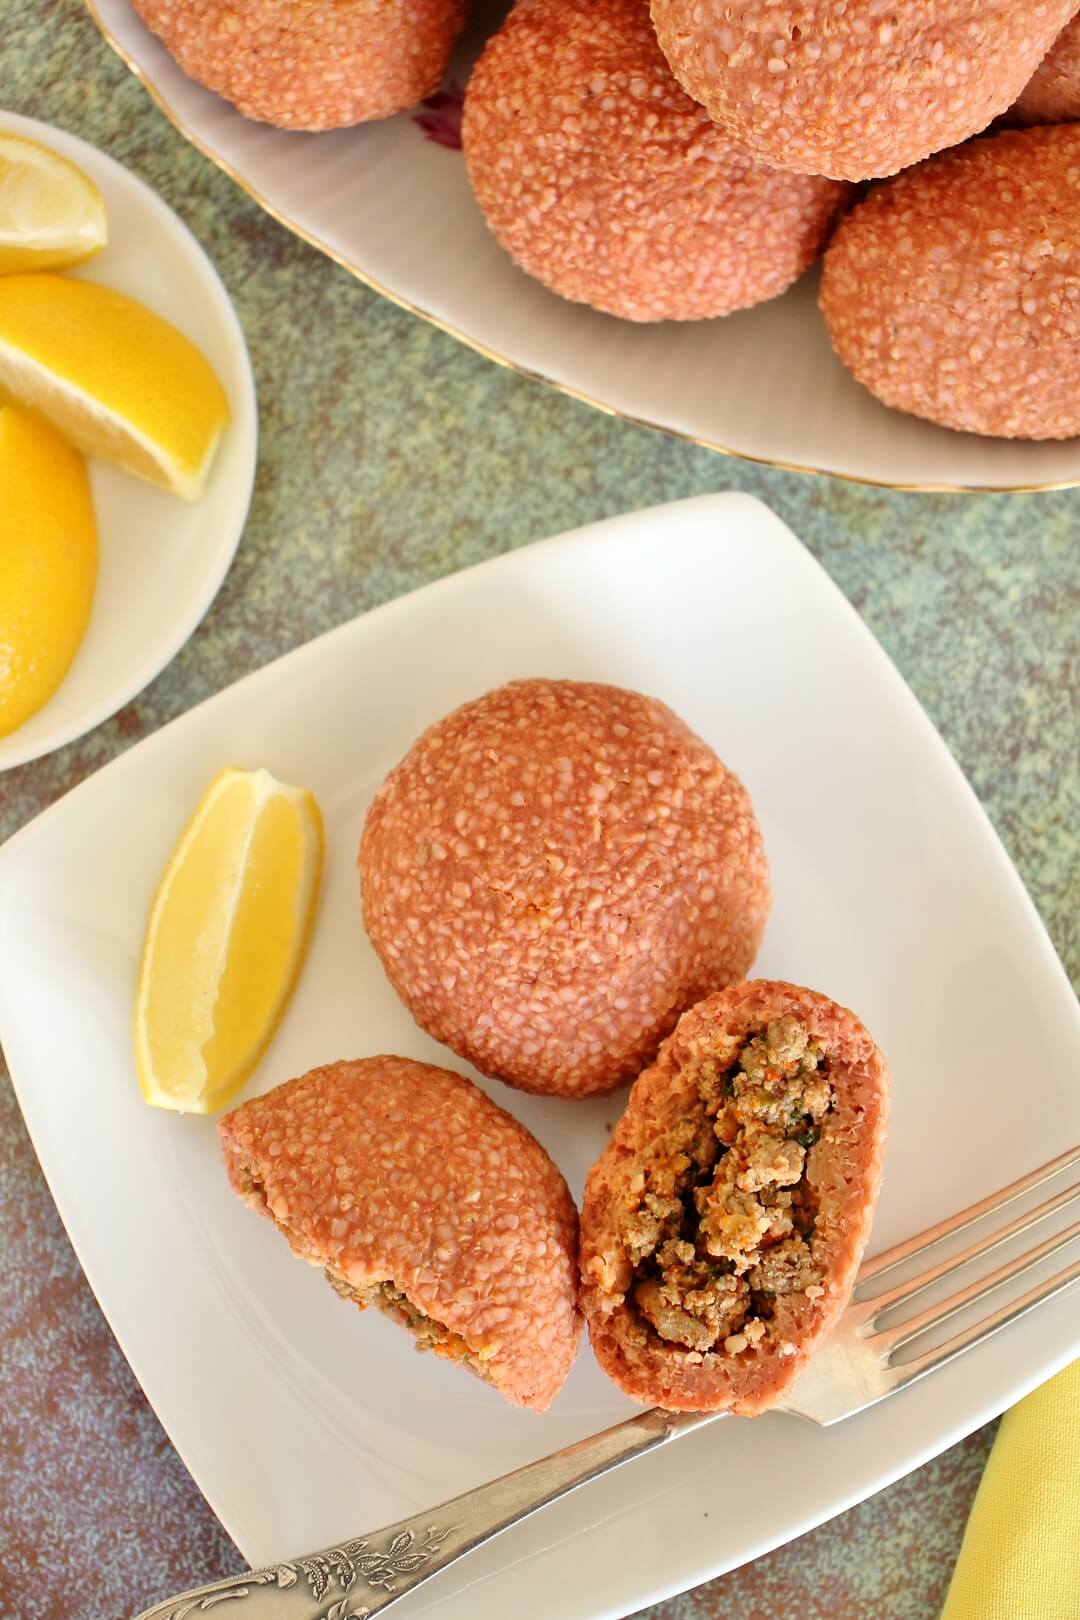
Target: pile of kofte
682, 159
567, 888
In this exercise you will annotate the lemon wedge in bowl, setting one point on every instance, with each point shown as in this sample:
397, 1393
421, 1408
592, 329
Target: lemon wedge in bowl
226, 938
48, 562
51, 213
114, 378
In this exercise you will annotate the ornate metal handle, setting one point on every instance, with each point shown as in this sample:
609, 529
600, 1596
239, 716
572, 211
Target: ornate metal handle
365, 1576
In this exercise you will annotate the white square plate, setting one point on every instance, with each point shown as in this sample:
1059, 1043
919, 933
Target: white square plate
306, 1423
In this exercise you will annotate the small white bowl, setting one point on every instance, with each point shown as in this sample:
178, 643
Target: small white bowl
161, 559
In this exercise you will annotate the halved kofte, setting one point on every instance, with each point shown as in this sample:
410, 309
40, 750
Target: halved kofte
724, 1223
417, 1194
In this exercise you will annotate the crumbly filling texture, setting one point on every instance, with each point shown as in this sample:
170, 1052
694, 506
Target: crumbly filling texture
249, 1185
428, 1334
724, 1223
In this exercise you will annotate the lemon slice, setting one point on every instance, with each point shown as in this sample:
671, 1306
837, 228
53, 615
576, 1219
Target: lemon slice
48, 562
226, 938
51, 214
114, 378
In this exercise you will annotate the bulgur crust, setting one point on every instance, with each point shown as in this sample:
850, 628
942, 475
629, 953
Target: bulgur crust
418, 1194
1052, 94
602, 178
953, 291
553, 873
765, 1111
311, 64
855, 90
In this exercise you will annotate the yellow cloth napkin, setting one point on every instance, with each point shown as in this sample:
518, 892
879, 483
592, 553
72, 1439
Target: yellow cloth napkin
1020, 1557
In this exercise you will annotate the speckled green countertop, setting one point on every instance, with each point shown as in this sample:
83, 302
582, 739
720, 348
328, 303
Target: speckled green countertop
391, 455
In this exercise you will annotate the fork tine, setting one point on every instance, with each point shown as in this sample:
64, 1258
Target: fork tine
895, 1338
966, 1217
914, 1286
918, 1366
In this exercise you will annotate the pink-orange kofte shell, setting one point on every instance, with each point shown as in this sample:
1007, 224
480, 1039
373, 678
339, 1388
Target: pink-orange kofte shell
953, 291
553, 873
858, 89
386, 1170
311, 64
1052, 94
844, 1168
609, 185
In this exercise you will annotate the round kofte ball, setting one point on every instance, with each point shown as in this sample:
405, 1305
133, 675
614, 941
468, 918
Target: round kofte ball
953, 291
311, 64
855, 90
1052, 94
608, 184
553, 873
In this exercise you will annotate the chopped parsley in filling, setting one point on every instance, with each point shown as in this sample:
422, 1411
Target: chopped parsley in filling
725, 1219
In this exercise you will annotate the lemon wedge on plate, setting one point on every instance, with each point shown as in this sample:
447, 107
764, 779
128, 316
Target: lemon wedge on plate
226, 938
114, 378
51, 213
48, 562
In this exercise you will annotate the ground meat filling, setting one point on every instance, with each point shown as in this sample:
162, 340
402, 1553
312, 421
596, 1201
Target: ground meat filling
429, 1334
725, 1219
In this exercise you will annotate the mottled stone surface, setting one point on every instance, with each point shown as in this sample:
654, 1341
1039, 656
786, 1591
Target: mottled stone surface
389, 456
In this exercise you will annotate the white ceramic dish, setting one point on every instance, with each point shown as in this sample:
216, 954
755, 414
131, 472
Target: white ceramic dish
162, 560
396, 209
303, 1421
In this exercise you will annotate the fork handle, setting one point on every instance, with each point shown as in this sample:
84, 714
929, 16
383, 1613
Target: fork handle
364, 1576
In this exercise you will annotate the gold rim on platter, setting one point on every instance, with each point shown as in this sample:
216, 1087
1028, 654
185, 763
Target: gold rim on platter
566, 389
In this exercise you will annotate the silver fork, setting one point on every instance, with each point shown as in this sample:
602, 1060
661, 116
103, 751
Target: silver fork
854, 1369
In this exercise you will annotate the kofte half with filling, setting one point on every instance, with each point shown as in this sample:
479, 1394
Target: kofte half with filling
723, 1226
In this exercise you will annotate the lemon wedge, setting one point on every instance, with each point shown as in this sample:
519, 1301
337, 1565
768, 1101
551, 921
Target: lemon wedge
114, 378
51, 213
48, 562
226, 939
